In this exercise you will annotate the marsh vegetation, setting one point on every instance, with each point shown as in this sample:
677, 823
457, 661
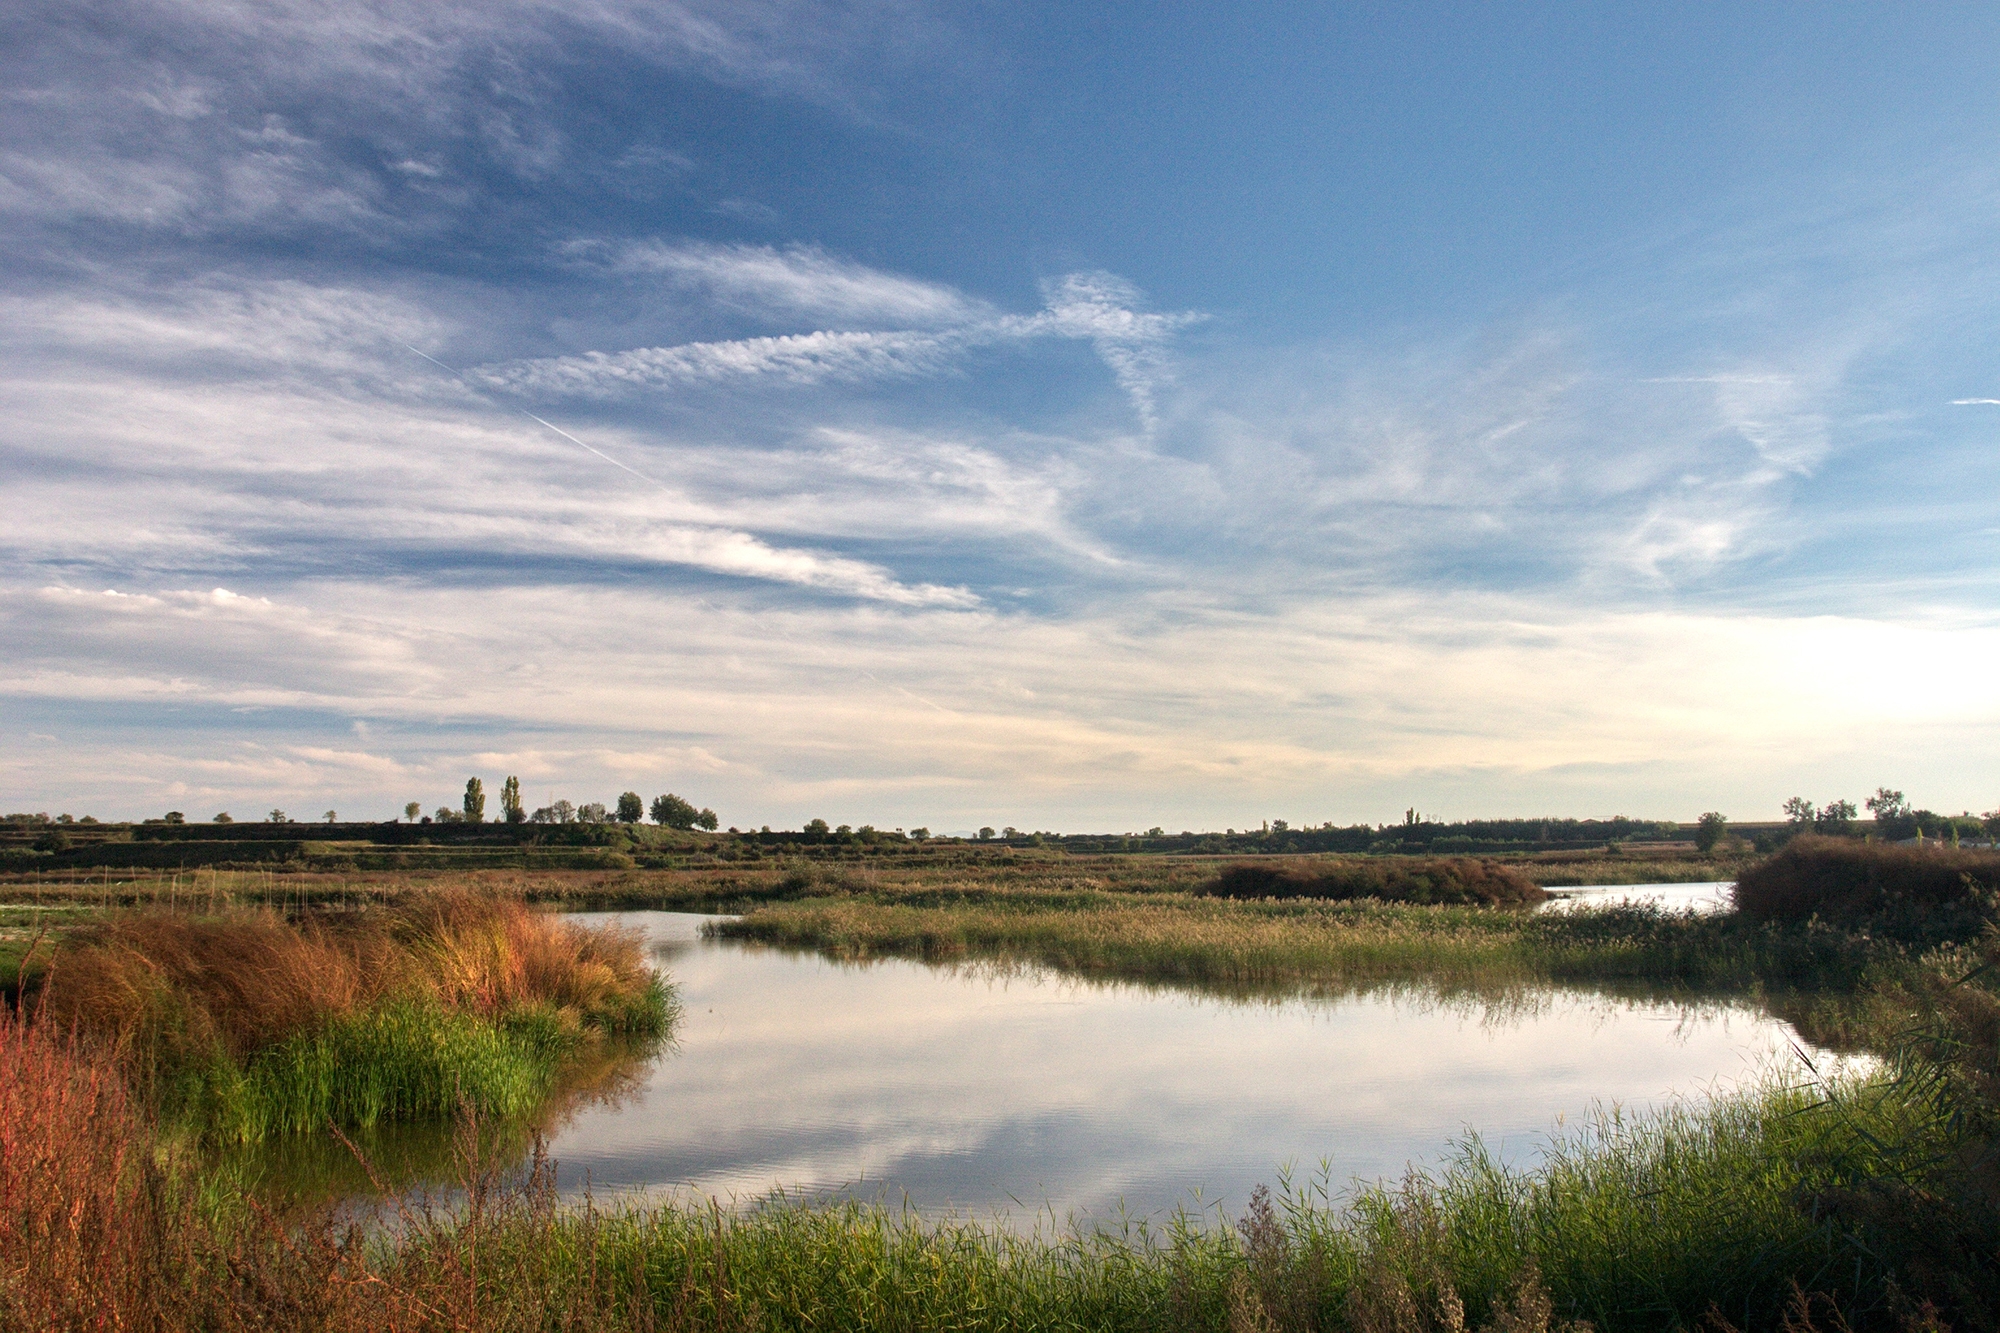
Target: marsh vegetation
1817, 1203
245, 1024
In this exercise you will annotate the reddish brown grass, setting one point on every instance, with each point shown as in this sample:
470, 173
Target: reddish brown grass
95, 1234
66, 1180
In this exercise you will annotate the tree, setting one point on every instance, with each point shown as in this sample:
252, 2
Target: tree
412, 811
221, 817
1799, 812
1835, 817
985, 834
670, 811
816, 828
706, 819
1887, 805
475, 801
919, 833
510, 801
330, 817
277, 817
176, 817
1708, 830
630, 808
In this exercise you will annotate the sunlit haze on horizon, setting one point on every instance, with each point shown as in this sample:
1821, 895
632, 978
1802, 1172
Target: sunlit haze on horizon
1068, 417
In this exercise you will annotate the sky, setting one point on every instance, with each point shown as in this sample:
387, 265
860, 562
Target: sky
1063, 416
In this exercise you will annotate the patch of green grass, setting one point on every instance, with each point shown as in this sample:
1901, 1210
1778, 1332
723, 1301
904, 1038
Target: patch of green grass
402, 1061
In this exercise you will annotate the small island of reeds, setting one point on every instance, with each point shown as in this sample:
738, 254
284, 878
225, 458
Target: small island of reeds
245, 1024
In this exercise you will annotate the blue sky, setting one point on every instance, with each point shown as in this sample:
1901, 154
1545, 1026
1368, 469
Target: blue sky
1062, 416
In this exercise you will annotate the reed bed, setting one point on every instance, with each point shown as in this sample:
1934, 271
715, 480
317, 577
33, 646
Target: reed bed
1316, 945
247, 1023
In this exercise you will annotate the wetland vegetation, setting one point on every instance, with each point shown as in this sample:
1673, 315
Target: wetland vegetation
1813, 1204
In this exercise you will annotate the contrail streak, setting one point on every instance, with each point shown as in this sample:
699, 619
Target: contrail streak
460, 377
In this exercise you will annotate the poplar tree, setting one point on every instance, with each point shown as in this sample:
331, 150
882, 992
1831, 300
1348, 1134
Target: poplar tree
510, 801
475, 801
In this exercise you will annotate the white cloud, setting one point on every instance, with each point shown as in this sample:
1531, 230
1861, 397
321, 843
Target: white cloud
797, 280
1159, 705
1099, 306
798, 359
1096, 307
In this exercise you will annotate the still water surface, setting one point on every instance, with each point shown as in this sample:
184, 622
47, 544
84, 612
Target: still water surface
1712, 896
1025, 1093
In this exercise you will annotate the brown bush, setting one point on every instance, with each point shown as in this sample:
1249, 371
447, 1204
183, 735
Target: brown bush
1458, 880
1845, 879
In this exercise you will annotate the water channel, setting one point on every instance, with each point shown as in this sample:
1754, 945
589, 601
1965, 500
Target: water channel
1027, 1096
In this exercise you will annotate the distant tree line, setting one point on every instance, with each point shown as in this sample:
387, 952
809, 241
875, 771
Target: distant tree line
668, 810
1891, 818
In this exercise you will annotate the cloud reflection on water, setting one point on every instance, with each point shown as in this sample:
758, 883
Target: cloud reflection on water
996, 1089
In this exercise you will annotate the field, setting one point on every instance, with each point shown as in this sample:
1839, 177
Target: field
1815, 1205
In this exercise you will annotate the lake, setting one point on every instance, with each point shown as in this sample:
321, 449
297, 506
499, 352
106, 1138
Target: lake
1024, 1094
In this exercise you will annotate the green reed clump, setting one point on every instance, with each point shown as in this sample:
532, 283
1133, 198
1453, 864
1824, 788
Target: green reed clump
402, 1061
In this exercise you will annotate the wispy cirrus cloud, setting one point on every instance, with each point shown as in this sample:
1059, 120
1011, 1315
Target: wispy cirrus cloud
378, 121
794, 280
1102, 307
1099, 308
798, 359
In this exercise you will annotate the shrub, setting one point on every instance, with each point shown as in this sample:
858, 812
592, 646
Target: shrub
1458, 880
1928, 890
